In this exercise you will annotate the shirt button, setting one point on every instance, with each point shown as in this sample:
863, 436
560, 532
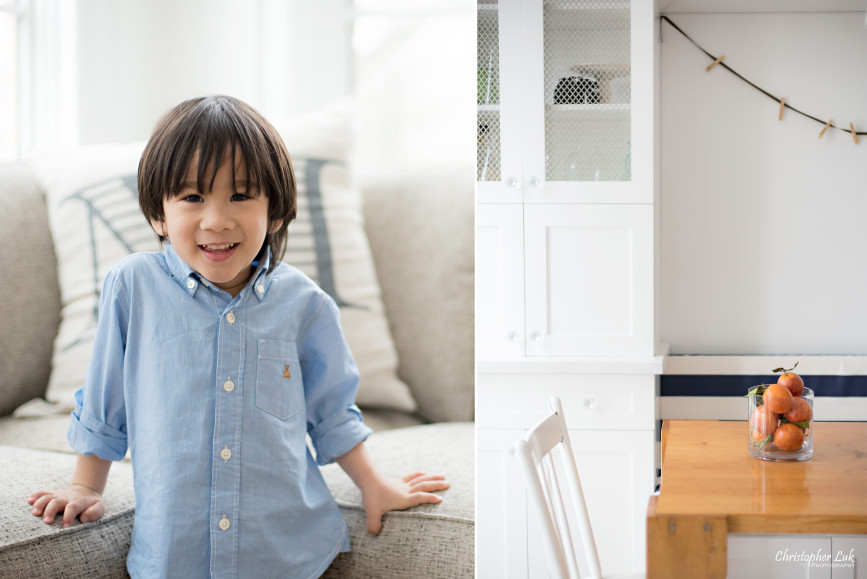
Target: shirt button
226, 454
230, 317
191, 284
228, 385
224, 523
260, 289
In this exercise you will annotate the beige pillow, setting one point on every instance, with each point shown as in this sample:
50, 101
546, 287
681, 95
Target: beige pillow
95, 221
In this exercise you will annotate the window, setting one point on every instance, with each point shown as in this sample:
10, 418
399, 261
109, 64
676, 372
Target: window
11, 14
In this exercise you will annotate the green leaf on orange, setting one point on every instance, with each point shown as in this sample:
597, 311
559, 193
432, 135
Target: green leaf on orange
767, 439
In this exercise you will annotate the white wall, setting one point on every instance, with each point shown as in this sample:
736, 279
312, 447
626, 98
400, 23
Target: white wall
137, 59
763, 237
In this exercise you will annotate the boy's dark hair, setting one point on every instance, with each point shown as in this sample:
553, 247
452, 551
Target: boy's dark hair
217, 127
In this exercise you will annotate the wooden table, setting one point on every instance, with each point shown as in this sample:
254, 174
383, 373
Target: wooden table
711, 486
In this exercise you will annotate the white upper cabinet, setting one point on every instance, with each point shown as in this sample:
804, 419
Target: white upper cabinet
565, 97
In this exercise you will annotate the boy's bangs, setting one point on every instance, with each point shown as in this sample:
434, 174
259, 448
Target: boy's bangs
216, 143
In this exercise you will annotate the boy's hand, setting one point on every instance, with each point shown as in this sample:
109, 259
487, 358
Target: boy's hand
382, 494
74, 501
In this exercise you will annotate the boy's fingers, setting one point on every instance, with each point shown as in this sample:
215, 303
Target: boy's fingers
374, 523
424, 498
429, 486
33, 496
70, 512
39, 504
54, 506
92, 513
426, 477
410, 477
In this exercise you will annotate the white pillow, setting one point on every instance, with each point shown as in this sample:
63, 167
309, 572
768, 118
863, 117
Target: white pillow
95, 221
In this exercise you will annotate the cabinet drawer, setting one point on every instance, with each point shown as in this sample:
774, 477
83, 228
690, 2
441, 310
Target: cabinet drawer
590, 401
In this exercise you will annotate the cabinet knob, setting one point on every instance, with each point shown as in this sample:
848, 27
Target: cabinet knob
589, 403
535, 182
512, 335
536, 336
511, 181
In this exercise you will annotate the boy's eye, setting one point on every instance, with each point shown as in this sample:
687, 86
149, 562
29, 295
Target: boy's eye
240, 197
195, 198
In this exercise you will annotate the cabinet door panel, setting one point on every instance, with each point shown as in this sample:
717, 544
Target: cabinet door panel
501, 504
589, 280
849, 557
499, 281
616, 472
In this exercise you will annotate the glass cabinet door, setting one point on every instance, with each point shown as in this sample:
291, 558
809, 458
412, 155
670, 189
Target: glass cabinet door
587, 90
499, 171
584, 124
488, 165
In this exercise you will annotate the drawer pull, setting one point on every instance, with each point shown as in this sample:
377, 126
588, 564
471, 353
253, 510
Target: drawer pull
589, 403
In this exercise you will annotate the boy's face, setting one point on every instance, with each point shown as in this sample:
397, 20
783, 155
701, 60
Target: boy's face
218, 233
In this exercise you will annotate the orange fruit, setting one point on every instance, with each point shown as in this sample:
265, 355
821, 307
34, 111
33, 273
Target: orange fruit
800, 411
788, 437
762, 423
778, 398
793, 382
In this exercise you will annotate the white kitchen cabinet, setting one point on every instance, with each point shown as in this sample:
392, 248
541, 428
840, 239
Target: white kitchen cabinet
564, 280
615, 468
565, 295
591, 144
589, 279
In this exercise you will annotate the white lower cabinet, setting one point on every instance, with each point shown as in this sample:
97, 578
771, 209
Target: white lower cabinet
797, 556
612, 431
564, 279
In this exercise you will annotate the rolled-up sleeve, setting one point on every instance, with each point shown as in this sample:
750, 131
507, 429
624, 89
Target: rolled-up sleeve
98, 422
331, 380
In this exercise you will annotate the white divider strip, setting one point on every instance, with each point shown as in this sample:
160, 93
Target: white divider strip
756, 365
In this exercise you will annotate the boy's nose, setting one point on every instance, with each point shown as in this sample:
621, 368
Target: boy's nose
216, 219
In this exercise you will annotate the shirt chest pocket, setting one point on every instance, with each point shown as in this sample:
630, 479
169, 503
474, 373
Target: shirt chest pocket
279, 383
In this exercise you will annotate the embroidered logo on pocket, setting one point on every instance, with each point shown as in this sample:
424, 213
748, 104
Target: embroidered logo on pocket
286, 373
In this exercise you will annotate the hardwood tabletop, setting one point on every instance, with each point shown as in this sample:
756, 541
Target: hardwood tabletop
707, 470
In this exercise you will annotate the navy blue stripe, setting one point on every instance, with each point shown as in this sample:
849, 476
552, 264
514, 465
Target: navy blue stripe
715, 385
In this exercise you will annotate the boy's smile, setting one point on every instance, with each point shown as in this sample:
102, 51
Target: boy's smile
219, 232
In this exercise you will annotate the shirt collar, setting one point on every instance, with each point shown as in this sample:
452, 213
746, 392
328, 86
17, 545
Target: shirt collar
190, 280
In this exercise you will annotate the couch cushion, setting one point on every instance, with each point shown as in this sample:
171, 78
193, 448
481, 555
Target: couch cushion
420, 228
30, 548
428, 540
29, 298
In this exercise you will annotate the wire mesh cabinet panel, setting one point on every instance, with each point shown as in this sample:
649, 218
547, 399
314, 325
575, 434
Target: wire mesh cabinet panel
587, 107
499, 172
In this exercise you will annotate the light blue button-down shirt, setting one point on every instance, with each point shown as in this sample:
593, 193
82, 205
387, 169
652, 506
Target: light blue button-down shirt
214, 395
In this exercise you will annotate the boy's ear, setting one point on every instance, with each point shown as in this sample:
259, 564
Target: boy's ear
159, 227
275, 226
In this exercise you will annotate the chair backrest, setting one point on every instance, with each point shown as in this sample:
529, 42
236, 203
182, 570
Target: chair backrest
546, 457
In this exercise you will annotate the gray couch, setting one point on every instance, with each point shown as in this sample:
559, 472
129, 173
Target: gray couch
422, 244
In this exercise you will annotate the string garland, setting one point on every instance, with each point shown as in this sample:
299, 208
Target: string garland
782, 101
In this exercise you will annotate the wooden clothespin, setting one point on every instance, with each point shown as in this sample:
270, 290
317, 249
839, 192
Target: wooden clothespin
782, 106
854, 134
714, 63
825, 128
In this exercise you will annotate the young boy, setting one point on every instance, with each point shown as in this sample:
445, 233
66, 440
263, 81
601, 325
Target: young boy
212, 362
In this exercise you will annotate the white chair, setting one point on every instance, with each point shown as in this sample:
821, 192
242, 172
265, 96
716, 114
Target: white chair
546, 456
